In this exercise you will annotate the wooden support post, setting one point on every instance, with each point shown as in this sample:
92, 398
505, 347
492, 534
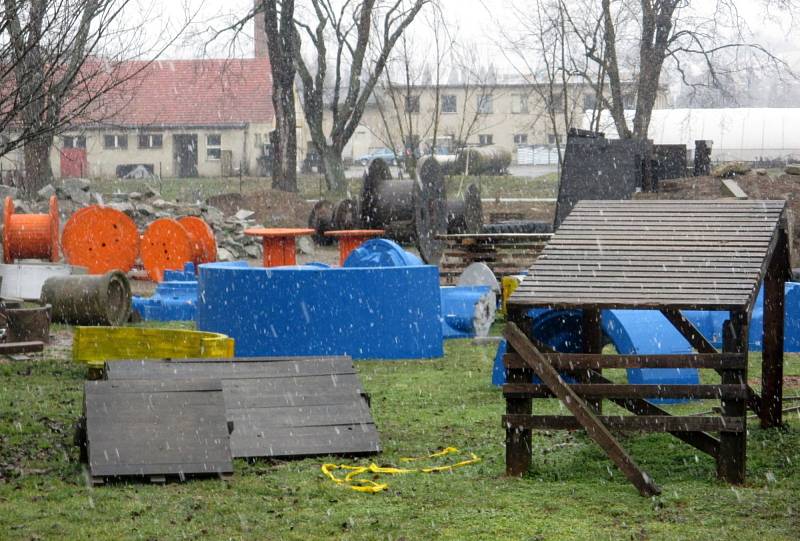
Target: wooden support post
518, 440
592, 338
772, 357
582, 412
732, 458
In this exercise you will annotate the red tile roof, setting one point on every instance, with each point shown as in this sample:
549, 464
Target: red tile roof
193, 93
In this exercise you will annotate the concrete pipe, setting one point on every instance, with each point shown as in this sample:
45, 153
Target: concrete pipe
89, 300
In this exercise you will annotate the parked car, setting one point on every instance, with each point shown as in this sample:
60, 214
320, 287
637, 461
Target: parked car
386, 154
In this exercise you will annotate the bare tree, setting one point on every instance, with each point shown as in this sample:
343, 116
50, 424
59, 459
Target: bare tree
351, 28
279, 17
61, 60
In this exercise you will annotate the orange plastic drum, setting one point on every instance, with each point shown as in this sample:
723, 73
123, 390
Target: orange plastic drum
351, 239
30, 236
102, 239
165, 246
202, 237
278, 243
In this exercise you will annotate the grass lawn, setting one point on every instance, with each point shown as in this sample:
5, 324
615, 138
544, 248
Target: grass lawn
312, 186
571, 492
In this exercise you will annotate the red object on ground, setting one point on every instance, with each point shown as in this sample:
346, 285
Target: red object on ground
30, 236
169, 244
278, 243
351, 239
101, 239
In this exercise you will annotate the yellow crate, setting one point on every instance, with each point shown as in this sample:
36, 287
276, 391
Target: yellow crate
96, 345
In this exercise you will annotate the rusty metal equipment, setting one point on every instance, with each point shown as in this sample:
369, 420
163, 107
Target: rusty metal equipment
89, 299
23, 329
30, 236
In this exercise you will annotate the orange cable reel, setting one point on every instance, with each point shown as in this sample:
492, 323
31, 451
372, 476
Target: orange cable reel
30, 236
102, 239
169, 244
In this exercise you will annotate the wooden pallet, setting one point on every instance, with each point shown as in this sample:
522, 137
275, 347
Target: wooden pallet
504, 253
156, 429
284, 407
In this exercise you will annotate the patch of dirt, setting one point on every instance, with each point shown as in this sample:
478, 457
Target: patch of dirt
755, 186
273, 208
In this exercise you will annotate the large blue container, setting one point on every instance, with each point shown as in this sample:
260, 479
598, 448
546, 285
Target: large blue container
381, 313
175, 299
381, 253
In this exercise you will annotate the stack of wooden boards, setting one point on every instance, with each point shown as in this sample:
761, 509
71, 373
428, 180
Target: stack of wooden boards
192, 416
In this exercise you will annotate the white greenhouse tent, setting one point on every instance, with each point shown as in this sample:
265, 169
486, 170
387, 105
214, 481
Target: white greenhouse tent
738, 134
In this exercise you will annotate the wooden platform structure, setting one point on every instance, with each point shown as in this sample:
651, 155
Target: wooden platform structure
278, 407
155, 429
661, 255
504, 253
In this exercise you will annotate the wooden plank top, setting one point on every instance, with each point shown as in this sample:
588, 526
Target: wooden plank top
660, 254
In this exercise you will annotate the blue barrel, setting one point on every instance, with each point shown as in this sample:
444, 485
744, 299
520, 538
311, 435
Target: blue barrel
467, 311
381, 253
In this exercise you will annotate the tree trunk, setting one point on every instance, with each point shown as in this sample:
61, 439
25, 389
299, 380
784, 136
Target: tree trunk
38, 172
334, 170
284, 168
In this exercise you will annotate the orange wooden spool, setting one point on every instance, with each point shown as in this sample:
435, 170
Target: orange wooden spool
278, 243
101, 239
30, 236
202, 236
351, 239
169, 244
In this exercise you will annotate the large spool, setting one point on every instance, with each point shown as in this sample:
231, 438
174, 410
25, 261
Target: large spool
30, 236
465, 212
407, 209
101, 239
89, 299
169, 244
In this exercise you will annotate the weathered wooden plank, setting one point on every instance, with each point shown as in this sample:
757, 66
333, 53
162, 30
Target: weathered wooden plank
161, 430
232, 369
14, 348
644, 423
594, 427
612, 390
732, 458
583, 361
356, 439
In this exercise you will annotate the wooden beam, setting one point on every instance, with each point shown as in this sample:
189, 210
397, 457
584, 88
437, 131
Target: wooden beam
624, 390
732, 458
518, 440
630, 423
772, 358
582, 412
689, 331
13, 348
586, 361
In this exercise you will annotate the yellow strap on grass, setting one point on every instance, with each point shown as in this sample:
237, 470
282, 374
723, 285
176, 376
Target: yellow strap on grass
367, 485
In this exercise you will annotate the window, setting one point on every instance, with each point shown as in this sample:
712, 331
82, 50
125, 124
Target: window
73, 141
412, 104
213, 146
521, 139
485, 139
629, 101
484, 104
589, 101
151, 140
115, 141
557, 103
449, 103
551, 139
519, 104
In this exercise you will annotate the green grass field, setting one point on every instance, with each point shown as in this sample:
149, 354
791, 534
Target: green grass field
571, 492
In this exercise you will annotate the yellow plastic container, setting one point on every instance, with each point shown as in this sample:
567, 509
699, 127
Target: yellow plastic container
508, 285
96, 345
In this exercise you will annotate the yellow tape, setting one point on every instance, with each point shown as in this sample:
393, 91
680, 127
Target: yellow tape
367, 485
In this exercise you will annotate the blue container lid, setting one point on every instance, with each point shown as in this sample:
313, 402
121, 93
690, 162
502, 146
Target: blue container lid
381, 253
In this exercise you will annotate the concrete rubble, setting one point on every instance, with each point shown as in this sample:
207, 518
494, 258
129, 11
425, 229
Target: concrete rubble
144, 207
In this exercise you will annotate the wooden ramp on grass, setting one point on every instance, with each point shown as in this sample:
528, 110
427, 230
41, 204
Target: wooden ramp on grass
155, 429
279, 407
